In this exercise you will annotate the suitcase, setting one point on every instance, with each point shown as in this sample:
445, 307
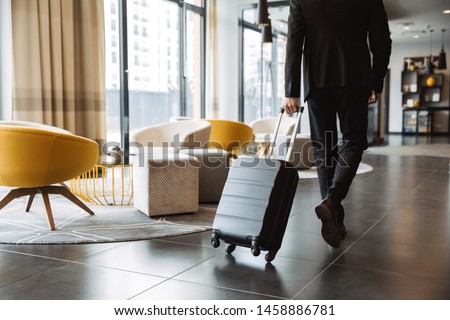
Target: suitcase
254, 208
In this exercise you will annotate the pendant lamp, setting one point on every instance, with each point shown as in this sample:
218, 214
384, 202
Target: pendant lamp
429, 62
442, 64
267, 33
263, 13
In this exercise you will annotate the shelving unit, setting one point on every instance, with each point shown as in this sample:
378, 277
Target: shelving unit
420, 92
417, 120
431, 94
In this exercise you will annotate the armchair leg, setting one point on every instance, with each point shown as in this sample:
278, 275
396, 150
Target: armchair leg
62, 190
16, 193
45, 191
48, 209
30, 200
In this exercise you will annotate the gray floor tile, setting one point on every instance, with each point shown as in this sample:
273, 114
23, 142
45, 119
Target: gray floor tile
348, 283
159, 258
15, 267
79, 282
182, 290
242, 271
416, 260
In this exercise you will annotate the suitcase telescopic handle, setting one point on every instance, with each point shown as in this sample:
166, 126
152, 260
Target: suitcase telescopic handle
294, 133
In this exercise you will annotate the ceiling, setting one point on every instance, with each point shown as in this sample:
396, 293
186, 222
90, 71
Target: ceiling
421, 15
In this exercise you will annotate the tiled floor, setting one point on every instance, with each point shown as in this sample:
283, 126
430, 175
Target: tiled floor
398, 247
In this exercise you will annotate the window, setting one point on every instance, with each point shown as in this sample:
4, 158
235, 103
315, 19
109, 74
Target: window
165, 71
262, 77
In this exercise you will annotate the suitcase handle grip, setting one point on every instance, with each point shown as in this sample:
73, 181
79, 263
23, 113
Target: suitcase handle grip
294, 133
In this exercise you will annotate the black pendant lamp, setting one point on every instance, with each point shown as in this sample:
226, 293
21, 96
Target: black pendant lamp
267, 33
442, 64
429, 62
263, 13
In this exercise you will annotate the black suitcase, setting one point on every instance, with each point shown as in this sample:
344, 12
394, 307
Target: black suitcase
254, 208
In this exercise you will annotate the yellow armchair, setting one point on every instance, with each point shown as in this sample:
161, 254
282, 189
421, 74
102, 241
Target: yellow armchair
229, 135
34, 157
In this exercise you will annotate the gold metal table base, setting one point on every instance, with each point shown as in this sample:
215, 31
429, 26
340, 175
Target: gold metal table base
106, 185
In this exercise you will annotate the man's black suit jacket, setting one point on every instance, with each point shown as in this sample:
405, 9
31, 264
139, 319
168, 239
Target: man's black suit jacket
336, 38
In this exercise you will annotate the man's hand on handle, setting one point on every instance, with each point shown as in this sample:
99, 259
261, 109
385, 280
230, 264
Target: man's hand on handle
373, 97
290, 105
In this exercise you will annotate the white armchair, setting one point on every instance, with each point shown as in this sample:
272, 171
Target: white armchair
170, 137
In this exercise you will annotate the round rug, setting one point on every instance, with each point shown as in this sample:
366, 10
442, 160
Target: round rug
109, 224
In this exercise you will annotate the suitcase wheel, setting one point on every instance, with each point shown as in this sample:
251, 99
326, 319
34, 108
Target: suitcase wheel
255, 249
230, 248
270, 256
215, 241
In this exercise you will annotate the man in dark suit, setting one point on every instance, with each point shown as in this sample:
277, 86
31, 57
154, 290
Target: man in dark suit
346, 48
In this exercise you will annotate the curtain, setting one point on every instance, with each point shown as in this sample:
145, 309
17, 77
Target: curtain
212, 67
59, 64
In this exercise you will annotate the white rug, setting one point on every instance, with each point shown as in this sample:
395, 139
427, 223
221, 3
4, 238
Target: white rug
312, 173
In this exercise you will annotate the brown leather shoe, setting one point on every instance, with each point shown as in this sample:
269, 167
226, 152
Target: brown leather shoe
326, 212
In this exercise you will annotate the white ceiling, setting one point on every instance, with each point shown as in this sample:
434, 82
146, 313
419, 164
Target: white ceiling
423, 15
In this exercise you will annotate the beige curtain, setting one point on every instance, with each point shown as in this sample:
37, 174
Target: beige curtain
212, 67
59, 67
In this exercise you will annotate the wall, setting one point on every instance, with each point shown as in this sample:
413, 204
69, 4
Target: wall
228, 38
415, 49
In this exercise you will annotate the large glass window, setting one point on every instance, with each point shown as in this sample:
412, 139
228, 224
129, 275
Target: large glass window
153, 88
112, 77
165, 42
263, 63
